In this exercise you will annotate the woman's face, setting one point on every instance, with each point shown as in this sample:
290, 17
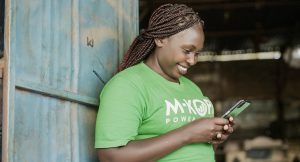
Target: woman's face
176, 54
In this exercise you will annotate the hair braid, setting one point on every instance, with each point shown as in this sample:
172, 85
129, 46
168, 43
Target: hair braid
165, 21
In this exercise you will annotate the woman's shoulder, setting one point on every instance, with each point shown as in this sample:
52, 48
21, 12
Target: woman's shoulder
131, 75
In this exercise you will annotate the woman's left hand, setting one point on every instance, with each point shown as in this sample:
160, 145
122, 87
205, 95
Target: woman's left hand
222, 136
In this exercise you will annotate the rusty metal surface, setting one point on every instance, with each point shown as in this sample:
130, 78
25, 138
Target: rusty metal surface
59, 54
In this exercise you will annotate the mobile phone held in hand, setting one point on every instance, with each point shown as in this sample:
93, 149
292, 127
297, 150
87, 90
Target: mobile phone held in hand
236, 109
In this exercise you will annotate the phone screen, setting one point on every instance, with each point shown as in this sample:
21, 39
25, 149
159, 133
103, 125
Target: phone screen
237, 109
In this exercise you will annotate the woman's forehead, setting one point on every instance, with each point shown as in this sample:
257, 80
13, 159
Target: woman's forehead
193, 31
192, 37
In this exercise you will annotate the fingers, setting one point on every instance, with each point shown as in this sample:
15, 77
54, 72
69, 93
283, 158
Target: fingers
219, 135
218, 138
222, 129
221, 121
225, 123
225, 127
215, 138
231, 121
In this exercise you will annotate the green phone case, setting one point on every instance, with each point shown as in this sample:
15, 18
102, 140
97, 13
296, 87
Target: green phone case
237, 109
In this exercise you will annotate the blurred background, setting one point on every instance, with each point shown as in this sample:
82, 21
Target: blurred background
252, 51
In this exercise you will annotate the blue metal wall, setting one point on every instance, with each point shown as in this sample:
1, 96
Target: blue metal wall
59, 54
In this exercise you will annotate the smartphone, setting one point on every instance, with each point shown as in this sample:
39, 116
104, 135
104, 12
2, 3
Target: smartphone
236, 109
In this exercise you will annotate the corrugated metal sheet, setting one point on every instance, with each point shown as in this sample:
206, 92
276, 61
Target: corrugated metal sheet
59, 54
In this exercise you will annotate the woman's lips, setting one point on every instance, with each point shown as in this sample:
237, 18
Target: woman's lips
182, 69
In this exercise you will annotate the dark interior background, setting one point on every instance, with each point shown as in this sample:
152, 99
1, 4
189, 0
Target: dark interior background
272, 85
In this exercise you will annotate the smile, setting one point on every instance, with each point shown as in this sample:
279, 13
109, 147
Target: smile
182, 69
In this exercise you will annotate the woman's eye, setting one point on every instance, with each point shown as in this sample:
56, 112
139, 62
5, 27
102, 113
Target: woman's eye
186, 51
197, 53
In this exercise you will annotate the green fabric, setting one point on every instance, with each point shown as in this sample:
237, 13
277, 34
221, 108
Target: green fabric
138, 103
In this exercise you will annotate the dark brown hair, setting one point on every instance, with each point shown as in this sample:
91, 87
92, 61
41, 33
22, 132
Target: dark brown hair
165, 21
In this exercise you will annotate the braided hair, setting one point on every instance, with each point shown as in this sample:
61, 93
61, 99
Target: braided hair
165, 21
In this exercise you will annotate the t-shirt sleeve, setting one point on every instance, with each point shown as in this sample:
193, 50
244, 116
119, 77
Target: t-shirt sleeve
120, 113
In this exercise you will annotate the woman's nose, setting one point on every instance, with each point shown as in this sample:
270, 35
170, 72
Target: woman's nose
192, 59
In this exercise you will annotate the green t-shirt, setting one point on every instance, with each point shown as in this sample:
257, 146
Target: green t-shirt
138, 103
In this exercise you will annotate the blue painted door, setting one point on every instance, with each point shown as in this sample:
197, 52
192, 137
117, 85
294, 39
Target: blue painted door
58, 55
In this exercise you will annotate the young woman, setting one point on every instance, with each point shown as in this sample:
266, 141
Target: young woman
149, 111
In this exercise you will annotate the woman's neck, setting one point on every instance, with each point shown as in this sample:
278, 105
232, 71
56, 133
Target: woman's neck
153, 64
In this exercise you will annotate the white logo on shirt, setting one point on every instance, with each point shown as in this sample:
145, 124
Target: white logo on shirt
187, 110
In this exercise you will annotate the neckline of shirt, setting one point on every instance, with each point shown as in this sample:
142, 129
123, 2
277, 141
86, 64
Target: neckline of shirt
158, 76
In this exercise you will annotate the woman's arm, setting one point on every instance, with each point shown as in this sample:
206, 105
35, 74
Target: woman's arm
152, 149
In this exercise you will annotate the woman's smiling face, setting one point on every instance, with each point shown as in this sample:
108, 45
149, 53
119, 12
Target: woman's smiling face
175, 54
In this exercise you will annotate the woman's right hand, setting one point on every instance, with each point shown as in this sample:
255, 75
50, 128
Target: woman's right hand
210, 130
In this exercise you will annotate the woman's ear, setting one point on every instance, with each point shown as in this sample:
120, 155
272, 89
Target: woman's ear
160, 42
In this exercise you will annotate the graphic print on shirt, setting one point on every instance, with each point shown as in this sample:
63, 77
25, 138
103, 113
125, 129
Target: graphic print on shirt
187, 110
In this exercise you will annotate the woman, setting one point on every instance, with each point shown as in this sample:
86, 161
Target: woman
149, 111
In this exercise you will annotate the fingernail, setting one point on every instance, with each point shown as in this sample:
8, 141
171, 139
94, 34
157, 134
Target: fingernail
225, 127
219, 135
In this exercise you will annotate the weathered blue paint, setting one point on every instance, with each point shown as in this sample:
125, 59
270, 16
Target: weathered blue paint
59, 54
